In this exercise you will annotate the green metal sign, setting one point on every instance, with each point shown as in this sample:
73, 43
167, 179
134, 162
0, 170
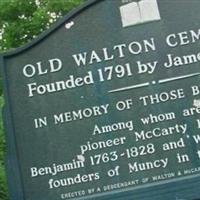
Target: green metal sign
106, 105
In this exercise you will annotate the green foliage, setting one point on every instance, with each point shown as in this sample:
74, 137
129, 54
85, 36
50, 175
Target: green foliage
23, 20
3, 185
20, 22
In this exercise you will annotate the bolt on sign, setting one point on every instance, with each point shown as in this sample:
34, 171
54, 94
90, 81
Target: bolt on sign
106, 104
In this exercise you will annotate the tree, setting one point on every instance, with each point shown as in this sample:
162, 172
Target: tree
20, 22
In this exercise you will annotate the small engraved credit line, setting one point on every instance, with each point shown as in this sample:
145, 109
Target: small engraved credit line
129, 87
178, 78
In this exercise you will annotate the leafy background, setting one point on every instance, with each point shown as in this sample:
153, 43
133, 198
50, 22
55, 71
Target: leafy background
20, 22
